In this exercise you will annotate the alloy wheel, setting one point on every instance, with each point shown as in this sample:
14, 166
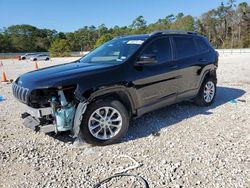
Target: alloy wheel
105, 123
209, 92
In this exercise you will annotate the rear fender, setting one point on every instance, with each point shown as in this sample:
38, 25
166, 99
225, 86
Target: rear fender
209, 70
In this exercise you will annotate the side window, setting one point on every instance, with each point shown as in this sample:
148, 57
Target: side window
160, 48
185, 46
202, 45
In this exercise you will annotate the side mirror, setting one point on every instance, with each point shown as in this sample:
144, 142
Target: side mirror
147, 59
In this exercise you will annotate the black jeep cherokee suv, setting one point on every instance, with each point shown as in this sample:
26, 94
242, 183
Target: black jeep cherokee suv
96, 96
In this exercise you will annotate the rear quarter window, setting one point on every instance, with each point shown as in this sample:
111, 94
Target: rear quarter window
185, 47
203, 46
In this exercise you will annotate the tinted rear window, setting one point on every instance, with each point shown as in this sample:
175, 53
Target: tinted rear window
203, 46
185, 46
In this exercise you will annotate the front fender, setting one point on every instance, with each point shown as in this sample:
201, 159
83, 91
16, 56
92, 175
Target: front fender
126, 94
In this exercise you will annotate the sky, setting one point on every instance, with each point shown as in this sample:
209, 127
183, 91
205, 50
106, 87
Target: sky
70, 15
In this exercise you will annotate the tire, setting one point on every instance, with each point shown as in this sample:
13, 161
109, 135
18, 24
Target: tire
35, 59
47, 59
202, 98
104, 108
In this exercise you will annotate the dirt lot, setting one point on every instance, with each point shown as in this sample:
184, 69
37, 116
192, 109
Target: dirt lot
179, 146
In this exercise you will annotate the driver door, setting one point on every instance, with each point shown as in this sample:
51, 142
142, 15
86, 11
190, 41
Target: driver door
157, 82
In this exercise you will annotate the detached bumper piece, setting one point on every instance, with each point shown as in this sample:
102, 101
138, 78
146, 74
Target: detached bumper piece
34, 124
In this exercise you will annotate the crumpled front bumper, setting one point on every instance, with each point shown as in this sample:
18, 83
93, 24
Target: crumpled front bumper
32, 119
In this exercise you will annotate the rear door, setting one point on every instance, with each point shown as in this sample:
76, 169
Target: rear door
187, 58
156, 82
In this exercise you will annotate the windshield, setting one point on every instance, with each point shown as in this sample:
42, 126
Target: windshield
114, 51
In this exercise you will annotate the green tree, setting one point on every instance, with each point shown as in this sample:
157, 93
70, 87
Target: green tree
22, 37
59, 48
27, 38
102, 40
87, 37
5, 43
226, 26
118, 31
244, 24
170, 18
73, 41
161, 24
184, 23
139, 24
179, 16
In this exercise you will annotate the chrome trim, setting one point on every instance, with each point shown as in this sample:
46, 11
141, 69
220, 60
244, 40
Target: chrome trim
20, 92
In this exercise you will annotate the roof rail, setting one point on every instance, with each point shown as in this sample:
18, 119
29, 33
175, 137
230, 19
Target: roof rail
173, 32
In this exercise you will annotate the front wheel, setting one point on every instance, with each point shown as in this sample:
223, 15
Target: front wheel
104, 122
207, 92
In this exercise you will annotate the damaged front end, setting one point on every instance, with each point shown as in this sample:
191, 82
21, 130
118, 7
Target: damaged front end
54, 110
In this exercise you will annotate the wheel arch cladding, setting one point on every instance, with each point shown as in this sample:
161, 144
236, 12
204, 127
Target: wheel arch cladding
208, 71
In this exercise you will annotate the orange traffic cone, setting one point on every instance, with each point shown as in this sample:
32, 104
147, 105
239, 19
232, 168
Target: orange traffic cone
4, 77
36, 66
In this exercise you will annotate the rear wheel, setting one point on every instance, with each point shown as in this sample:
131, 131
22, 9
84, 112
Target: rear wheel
105, 122
207, 92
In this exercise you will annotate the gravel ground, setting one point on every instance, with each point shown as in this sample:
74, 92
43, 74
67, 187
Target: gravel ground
178, 146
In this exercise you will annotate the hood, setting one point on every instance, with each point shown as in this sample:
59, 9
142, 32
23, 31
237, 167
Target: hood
59, 74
